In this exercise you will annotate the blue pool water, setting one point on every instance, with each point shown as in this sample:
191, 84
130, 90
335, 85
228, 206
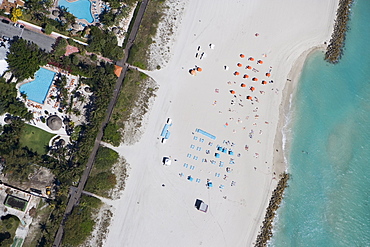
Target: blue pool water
80, 8
37, 89
327, 202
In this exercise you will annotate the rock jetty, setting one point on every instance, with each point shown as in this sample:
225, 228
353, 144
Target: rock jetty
334, 50
276, 198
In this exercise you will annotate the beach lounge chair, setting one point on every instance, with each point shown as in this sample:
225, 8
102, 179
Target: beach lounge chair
192, 167
195, 138
197, 180
221, 164
195, 157
188, 155
221, 186
186, 165
192, 146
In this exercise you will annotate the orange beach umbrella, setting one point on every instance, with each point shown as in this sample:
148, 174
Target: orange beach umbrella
249, 97
239, 65
268, 74
249, 67
260, 61
243, 85
192, 72
236, 73
232, 92
252, 89
264, 82
255, 79
251, 59
245, 76
242, 55
199, 69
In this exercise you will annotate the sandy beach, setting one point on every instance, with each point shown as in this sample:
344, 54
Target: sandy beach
225, 140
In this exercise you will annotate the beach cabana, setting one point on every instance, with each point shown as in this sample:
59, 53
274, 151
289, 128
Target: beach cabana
239, 65
245, 76
264, 82
242, 55
217, 155
255, 79
236, 73
243, 85
232, 92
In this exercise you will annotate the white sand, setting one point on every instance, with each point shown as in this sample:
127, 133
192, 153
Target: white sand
149, 214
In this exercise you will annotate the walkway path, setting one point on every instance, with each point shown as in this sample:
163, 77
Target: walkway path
74, 199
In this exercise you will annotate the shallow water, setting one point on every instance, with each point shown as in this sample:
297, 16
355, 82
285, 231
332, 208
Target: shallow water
327, 202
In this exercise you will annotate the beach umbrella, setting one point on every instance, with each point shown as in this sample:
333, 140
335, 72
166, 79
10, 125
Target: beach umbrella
239, 65
260, 61
252, 89
236, 73
249, 97
251, 59
199, 69
232, 92
264, 82
245, 76
268, 74
217, 155
249, 67
192, 72
255, 79
243, 85
242, 55
231, 152
190, 178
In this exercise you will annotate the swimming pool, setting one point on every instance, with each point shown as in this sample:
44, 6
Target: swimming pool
37, 89
80, 8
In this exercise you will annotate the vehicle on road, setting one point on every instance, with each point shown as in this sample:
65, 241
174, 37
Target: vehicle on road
5, 21
6, 38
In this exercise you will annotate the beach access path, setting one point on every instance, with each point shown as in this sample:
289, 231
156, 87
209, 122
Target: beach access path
76, 195
157, 206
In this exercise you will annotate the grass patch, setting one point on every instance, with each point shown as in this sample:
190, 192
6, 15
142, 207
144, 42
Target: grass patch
35, 139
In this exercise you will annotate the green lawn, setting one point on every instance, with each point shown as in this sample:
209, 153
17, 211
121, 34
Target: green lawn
35, 138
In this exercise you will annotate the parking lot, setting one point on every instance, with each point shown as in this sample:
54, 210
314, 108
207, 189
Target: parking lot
9, 31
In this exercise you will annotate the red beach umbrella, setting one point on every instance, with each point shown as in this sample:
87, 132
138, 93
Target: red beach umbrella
249, 97
260, 61
245, 76
255, 79
252, 89
249, 67
243, 85
232, 92
199, 69
242, 55
251, 59
264, 82
240, 65
236, 73
268, 74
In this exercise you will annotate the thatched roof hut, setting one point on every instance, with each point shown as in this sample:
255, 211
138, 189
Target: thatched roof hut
54, 122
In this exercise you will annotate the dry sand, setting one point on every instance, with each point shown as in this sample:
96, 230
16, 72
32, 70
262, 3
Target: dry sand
157, 206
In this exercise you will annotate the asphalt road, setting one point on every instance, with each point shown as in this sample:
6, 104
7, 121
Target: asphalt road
43, 41
76, 193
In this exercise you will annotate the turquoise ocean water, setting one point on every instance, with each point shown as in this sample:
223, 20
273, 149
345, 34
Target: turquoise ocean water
327, 202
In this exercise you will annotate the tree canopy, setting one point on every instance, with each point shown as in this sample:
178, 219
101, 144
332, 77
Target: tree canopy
25, 58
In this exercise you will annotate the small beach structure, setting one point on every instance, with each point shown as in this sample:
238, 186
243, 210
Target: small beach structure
206, 134
200, 205
54, 122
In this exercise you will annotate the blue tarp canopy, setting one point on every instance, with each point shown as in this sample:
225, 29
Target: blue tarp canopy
164, 131
217, 155
209, 184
